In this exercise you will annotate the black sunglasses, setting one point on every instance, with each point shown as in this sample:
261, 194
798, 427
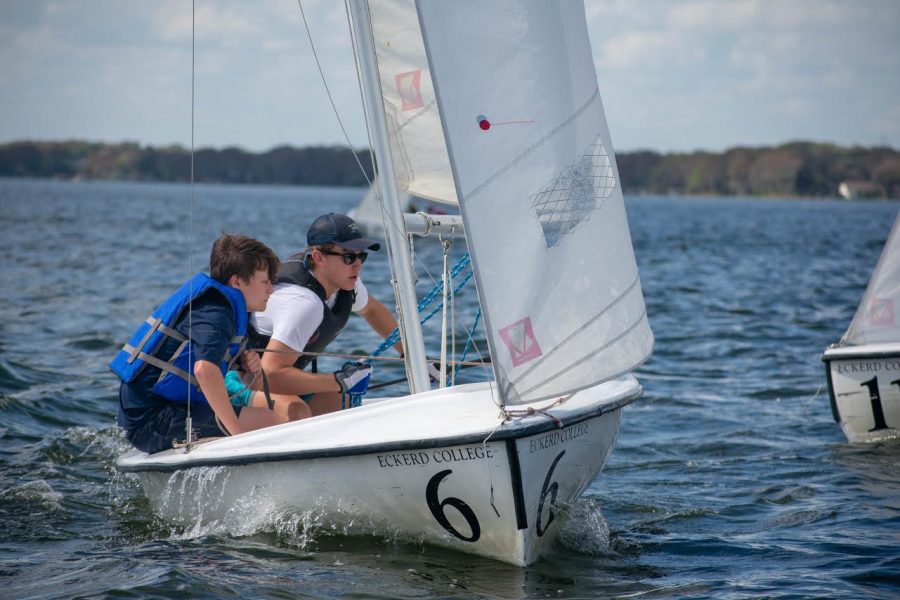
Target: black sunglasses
348, 257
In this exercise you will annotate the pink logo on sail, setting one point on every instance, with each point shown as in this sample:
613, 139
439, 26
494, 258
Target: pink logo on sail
882, 312
408, 88
520, 341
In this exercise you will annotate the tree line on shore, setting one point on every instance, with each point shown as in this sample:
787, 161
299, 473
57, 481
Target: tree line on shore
793, 169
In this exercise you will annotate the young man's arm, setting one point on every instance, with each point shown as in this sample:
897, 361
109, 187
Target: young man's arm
284, 378
212, 384
380, 320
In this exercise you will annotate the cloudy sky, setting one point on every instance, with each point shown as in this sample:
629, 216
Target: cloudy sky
675, 75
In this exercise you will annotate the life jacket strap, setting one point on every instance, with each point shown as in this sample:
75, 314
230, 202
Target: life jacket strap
166, 367
173, 369
172, 333
133, 351
231, 360
155, 325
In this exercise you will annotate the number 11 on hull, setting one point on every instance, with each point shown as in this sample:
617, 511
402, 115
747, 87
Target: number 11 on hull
864, 389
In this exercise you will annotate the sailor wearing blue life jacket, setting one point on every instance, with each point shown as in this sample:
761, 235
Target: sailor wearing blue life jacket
182, 351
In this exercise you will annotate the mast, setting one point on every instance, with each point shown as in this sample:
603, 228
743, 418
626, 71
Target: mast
396, 235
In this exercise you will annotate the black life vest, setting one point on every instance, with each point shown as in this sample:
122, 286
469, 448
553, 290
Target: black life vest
294, 271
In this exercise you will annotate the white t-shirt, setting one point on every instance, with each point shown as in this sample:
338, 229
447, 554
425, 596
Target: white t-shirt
294, 312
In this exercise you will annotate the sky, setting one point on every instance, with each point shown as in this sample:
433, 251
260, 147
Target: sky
675, 75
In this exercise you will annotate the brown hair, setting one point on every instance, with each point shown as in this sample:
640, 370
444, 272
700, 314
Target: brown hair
240, 255
307, 261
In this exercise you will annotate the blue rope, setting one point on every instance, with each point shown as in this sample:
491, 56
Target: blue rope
394, 336
455, 291
469, 341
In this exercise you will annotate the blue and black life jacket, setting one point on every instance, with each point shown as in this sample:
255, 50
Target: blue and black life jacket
177, 371
294, 271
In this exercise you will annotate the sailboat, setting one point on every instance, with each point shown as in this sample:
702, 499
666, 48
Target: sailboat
493, 107
863, 368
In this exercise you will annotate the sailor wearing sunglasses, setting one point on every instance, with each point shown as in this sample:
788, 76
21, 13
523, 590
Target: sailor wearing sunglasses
315, 292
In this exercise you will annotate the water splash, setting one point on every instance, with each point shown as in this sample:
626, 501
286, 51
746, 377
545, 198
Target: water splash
586, 530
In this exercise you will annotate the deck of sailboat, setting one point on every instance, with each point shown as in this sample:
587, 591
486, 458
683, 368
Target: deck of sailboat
463, 414
862, 351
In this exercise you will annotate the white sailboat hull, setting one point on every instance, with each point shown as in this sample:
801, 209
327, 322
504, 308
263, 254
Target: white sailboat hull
864, 389
439, 467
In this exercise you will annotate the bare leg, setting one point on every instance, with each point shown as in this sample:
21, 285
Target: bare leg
287, 408
296, 410
324, 403
252, 417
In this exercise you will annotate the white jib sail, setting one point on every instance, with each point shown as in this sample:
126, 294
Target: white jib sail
421, 164
877, 320
539, 193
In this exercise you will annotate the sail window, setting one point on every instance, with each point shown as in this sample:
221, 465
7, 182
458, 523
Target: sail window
574, 194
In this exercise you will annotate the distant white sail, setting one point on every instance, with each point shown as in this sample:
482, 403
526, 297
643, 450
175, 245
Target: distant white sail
421, 164
539, 192
877, 319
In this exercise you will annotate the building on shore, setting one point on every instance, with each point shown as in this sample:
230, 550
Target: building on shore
860, 189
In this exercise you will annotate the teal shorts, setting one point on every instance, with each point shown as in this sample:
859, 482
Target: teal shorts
238, 393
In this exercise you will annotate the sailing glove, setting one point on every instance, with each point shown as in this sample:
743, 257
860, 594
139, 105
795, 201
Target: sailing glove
434, 373
353, 378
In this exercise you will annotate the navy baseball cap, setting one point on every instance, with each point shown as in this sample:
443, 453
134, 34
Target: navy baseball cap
335, 228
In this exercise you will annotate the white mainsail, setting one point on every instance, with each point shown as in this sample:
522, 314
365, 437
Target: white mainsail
877, 319
534, 171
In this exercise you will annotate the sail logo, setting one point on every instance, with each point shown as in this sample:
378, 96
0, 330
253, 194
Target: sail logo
408, 88
520, 341
882, 312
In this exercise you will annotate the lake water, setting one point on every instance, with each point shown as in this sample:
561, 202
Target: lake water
729, 479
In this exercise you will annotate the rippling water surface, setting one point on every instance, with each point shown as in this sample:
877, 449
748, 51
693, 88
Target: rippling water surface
729, 479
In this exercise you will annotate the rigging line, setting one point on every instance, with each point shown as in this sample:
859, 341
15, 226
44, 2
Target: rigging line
392, 337
330, 97
187, 421
445, 297
487, 463
470, 339
452, 323
362, 356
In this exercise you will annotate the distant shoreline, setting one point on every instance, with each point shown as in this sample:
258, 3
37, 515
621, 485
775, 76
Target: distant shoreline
796, 169
629, 194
